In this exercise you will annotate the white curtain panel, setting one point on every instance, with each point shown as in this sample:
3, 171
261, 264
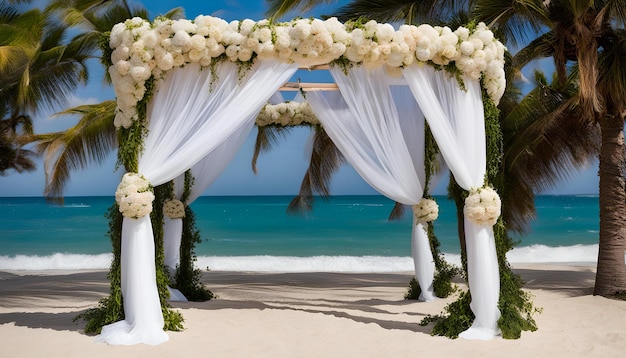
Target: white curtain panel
456, 119
190, 115
379, 129
205, 172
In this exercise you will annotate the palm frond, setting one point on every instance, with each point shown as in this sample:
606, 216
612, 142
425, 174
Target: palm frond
541, 47
612, 67
617, 12
516, 20
8, 12
397, 212
175, 13
325, 160
91, 140
401, 11
266, 138
278, 8
12, 154
546, 141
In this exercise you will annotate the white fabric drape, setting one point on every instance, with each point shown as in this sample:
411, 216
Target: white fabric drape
456, 119
190, 115
205, 172
380, 131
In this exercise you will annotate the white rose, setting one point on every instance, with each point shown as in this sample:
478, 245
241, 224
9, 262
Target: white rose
182, 40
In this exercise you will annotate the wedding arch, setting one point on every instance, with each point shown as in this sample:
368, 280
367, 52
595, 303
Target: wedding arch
190, 91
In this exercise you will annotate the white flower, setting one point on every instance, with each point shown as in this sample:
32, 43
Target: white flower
462, 33
174, 209
182, 39
467, 48
140, 73
134, 196
246, 26
483, 206
122, 53
184, 25
122, 67
141, 50
426, 210
165, 62
288, 113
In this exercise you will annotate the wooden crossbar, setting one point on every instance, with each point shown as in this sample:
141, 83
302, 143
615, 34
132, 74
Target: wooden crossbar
308, 86
316, 67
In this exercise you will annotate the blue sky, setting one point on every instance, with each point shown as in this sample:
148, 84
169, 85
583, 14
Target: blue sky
279, 171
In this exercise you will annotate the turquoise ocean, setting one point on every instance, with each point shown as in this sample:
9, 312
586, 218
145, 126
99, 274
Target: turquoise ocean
254, 233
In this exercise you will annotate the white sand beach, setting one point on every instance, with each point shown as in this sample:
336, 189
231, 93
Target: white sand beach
308, 315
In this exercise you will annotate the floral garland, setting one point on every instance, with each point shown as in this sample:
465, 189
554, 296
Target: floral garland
288, 113
134, 195
426, 210
483, 206
174, 209
141, 50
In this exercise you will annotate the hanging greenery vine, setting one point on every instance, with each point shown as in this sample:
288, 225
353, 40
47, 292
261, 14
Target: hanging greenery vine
187, 277
173, 319
515, 304
444, 271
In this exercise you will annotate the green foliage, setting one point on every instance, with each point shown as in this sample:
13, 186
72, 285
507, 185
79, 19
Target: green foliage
442, 282
106, 49
431, 165
110, 309
130, 143
457, 317
494, 145
414, 291
173, 320
445, 272
515, 305
187, 277
131, 139
142, 105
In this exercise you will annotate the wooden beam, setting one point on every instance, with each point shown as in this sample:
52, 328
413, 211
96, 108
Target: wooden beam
316, 67
308, 86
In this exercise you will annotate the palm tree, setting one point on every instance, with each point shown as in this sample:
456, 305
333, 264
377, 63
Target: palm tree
91, 139
38, 71
589, 34
12, 155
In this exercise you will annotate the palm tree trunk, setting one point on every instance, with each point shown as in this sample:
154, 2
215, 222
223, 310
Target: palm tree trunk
611, 269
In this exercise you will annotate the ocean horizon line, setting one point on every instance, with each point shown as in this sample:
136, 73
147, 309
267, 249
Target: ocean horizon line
112, 195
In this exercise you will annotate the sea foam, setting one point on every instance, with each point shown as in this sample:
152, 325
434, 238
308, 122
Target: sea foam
57, 261
381, 264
